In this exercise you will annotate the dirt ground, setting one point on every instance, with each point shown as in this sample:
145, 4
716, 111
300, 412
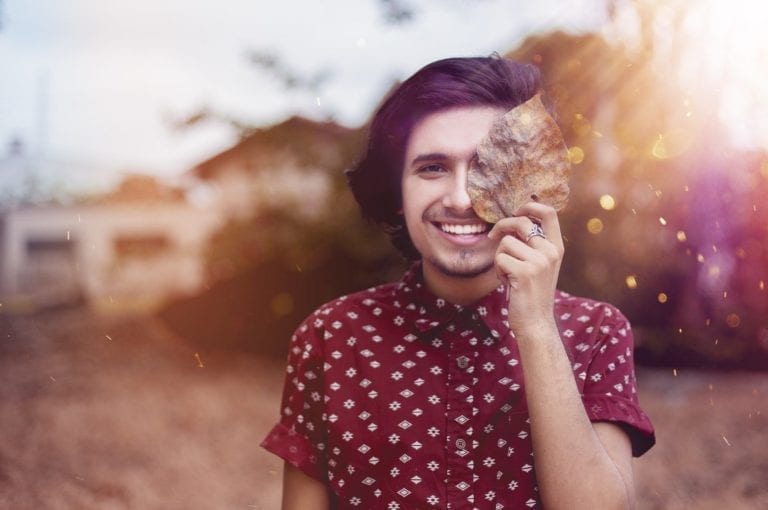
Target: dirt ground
116, 413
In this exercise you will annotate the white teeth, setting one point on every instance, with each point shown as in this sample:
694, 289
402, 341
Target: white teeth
462, 229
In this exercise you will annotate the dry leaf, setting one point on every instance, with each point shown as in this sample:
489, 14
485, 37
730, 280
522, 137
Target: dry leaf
523, 158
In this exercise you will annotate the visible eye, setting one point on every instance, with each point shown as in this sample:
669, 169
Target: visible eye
432, 169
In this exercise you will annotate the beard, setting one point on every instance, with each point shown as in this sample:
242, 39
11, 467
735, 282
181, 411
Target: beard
464, 265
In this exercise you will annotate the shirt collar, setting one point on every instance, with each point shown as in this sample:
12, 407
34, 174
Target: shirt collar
428, 312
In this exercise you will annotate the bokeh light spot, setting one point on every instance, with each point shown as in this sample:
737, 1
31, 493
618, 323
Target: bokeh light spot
733, 320
631, 281
671, 144
580, 125
607, 202
281, 304
681, 236
662, 297
594, 226
659, 149
576, 154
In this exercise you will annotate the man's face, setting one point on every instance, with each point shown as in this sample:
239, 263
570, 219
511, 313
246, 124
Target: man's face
443, 226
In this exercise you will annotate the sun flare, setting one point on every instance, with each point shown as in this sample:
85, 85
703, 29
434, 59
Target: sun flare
724, 63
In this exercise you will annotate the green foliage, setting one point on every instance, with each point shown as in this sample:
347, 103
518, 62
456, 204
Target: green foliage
276, 236
270, 270
688, 227
683, 249
278, 232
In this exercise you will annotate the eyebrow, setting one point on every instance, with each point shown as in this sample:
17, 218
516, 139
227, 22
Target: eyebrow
434, 156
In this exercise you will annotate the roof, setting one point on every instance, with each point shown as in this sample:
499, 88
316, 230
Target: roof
309, 141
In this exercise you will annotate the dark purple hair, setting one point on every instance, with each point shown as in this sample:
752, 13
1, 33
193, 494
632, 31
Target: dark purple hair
441, 85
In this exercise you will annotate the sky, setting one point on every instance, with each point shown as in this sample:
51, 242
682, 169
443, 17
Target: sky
95, 88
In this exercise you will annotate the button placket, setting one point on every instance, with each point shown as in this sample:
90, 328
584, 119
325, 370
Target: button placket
460, 455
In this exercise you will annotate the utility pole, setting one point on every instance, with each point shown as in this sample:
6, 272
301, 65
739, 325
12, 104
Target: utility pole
43, 96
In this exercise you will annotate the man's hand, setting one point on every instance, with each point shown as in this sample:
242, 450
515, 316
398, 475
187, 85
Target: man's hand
529, 265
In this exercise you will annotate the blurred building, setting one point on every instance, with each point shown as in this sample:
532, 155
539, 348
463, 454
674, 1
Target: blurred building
289, 165
146, 241
132, 248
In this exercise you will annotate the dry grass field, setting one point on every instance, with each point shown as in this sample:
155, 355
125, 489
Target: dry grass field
712, 440
116, 413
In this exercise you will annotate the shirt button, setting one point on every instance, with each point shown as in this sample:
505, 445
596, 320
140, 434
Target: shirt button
461, 444
462, 361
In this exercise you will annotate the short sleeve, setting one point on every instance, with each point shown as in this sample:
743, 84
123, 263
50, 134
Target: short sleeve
610, 389
299, 437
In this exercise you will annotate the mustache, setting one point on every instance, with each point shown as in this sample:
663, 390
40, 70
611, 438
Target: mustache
440, 214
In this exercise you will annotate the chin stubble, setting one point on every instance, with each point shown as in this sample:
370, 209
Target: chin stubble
461, 269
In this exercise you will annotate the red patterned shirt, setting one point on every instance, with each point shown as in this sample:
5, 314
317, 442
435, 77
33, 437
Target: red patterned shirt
397, 399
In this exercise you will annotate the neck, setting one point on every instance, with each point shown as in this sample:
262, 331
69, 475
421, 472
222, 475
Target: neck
459, 290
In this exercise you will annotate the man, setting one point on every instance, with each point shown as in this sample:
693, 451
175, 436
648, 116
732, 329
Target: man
472, 382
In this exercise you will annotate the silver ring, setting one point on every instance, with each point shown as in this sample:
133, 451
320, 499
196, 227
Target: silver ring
536, 231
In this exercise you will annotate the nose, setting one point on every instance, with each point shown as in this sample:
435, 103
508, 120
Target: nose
456, 197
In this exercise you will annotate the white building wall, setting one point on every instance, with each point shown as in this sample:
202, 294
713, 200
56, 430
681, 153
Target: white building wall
304, 191
101, 275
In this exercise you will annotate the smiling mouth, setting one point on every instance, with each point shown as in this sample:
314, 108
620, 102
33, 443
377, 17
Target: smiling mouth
463, 230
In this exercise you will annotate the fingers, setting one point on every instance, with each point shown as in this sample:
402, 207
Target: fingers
521, 224
527, 260
520, 264
546, 216
536, 250
523, 250
507, 266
